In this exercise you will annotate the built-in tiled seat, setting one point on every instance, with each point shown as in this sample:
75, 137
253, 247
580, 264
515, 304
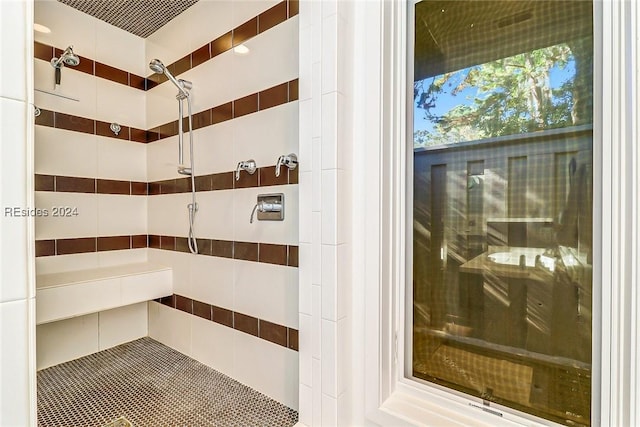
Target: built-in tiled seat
76, 293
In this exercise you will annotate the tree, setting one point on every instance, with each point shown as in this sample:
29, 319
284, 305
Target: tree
510, 96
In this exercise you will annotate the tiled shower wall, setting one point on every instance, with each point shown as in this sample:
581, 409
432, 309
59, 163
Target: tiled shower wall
68, 147
17, 300
254, 116
245, 106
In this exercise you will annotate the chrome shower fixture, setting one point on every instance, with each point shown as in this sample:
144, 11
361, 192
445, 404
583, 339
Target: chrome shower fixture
183, 85
67, 58
247, 165
290, 161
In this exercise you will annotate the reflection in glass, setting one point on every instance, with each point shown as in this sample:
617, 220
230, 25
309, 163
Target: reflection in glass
502, 236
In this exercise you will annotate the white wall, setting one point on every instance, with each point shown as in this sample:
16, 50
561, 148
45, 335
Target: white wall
17, 287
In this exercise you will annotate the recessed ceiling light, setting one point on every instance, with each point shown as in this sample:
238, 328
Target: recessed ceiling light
241, 49
41, 28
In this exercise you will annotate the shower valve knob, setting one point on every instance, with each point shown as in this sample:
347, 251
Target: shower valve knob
248, 165
290, 161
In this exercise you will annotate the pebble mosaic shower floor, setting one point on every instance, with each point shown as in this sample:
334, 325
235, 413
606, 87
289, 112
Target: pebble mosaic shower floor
148, 384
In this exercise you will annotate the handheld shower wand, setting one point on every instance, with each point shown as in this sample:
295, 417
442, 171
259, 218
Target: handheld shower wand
183, 93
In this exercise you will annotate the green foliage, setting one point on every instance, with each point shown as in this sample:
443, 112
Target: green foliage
512, 95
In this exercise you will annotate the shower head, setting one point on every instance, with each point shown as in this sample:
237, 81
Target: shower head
67, 58
158, 67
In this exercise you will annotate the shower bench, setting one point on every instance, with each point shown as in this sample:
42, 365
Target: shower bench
76, 293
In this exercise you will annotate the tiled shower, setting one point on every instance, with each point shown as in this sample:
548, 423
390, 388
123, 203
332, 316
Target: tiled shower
232, 307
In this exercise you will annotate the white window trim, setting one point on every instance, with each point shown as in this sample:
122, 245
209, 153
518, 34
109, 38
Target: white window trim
389, 398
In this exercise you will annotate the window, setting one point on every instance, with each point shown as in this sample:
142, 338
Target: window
501, 293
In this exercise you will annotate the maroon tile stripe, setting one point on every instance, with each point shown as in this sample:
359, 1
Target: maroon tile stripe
70, 122
268, 331
269, 253
256, 25
45, 52
264, 177
259, 101
81, 245
72, 184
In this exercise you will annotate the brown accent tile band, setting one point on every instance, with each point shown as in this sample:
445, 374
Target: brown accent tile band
81, 245
259, 328
252, 103
72, 184
243, 32
73, 123
45, 52
259, 101
268, 253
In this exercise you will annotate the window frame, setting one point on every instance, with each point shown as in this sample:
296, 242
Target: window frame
390, 397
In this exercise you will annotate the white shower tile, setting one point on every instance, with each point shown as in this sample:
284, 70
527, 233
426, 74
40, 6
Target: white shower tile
329, 282
271, 369
329, 50
329, 150
329, 357
212, 149
65, 340
304, 345
215, 219
162, 159
14, 45
161, 104
304, 276
66, 153
168, 215
329, 410
305, 215
216, 289
171, 327
120, 104
305, 59
121, 160
266, 291
111, 43
281, 232
266, 135
14, 363
209, 92
180, 266
13, 229
316, 249
213, 344
247, 9
317, 393
83, 225
76, 93
306, 399
121, 215
279, 42
57, 16
316, 171
60, 263
316, 322
126, 256
305, 144
122, 324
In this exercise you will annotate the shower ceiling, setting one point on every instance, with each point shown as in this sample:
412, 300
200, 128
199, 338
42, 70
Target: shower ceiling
139, 17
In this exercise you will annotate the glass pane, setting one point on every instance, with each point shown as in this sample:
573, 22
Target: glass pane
502, 229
